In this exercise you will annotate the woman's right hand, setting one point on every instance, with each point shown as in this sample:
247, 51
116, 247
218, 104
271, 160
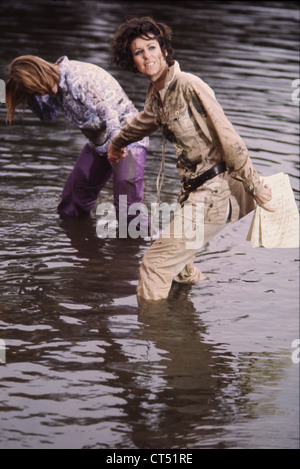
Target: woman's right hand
264, 197
115, 154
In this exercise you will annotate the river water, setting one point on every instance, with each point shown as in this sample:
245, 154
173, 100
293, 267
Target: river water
85, 365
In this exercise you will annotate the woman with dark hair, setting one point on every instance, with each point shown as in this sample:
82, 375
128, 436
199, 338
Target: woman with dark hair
140, 27
213, 162
92, 100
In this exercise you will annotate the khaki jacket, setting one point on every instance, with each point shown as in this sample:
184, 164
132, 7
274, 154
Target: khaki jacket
189, 116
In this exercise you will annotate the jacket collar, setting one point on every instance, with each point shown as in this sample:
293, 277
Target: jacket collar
171, 74
63, 63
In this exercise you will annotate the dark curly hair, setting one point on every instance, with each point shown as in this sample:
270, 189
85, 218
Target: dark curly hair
144, 27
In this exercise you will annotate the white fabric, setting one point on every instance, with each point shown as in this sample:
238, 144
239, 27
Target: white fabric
279, 229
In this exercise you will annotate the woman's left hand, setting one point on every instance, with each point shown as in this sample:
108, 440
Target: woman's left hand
264, 197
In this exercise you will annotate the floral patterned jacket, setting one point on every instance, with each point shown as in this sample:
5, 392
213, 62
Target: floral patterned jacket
91, 99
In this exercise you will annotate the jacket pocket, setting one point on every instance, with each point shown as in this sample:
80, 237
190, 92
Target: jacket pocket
182, 124
187, 136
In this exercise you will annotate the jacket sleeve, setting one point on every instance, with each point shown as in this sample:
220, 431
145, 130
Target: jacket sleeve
234, 150
142, 125
100, 115
43, 107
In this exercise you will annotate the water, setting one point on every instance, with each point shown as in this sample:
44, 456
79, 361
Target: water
86, 366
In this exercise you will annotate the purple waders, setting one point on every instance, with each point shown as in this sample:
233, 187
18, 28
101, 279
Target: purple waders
91, 173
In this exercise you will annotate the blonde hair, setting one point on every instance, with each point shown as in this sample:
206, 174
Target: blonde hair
28, 75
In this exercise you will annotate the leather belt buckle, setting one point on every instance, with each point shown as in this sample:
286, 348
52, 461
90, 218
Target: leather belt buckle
186, 186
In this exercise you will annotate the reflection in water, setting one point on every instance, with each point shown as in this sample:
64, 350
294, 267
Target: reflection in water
189, 396
87, 366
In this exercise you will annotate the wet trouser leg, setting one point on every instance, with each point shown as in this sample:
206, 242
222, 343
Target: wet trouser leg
170, 259
91, 173
88, 177
128, 179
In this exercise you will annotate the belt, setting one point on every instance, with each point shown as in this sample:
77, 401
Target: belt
191, 185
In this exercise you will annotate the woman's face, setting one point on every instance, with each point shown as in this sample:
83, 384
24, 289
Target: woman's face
149, 58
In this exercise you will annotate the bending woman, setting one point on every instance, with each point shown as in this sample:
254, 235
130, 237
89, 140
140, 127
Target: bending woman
213, 162
92, 100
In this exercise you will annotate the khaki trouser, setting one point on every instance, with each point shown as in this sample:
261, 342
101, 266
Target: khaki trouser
171, 258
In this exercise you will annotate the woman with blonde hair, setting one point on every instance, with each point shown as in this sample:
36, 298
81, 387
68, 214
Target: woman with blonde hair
92, 100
